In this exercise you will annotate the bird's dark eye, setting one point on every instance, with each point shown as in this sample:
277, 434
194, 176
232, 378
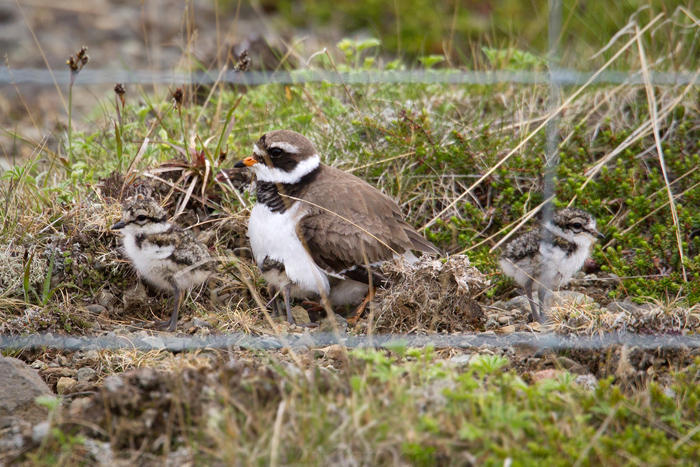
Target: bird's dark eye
275, 152
141, 218
577, 225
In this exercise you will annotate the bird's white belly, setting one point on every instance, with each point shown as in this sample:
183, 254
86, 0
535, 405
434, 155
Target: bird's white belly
273, 235
557, 267
148, 260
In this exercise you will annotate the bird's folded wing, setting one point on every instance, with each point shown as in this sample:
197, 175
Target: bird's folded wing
355, 225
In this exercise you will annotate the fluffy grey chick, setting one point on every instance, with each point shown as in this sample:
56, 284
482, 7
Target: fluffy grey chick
548, 257
165, 255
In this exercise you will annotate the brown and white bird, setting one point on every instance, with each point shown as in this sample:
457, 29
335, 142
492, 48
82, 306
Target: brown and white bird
317, 231
165, 255
548, 257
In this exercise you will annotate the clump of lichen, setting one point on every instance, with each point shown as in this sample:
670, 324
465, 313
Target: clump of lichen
14, 263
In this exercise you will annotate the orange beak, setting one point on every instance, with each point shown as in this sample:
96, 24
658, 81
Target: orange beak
247, 162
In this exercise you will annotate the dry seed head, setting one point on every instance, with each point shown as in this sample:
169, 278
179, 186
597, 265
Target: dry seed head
243, 62
81, 59
120, 90
177, 98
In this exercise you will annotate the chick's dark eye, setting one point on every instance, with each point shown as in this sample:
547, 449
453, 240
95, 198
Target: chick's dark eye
275, 152
577, 226
141, 218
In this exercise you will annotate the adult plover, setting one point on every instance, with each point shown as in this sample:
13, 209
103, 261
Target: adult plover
164, 254
547, 258
317, 231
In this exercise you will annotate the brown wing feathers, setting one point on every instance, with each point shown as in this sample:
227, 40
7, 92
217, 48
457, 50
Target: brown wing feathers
376, 233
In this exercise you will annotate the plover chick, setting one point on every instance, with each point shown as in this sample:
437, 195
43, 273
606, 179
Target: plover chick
546, 258
165, 255
317, 231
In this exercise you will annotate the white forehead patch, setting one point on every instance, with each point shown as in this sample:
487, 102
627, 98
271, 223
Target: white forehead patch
257, 151
286, 147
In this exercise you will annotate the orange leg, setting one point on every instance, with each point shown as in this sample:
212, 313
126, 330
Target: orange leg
352, 320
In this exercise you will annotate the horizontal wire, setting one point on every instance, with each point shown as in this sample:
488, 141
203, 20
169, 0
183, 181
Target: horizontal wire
559, 76
318, 339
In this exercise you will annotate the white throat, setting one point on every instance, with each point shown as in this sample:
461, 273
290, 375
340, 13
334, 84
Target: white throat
275, 175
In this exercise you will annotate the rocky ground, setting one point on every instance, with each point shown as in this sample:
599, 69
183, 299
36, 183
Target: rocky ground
91, 379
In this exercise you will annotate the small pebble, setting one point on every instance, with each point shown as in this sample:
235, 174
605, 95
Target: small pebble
85, 374
460, 359
40, 431
65, 385
95, 309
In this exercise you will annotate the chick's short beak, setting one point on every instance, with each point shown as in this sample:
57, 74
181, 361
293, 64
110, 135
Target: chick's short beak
599, 235
247, 162
118, 225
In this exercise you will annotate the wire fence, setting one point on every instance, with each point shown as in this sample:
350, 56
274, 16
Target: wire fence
563, 77
321, 339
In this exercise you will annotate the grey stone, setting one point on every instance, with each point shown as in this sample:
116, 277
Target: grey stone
135, 297
85, 374
113, 383
461, 360
40, 431
503, 320
104, 298
20, 386
39, 365
95, 309
520, 303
